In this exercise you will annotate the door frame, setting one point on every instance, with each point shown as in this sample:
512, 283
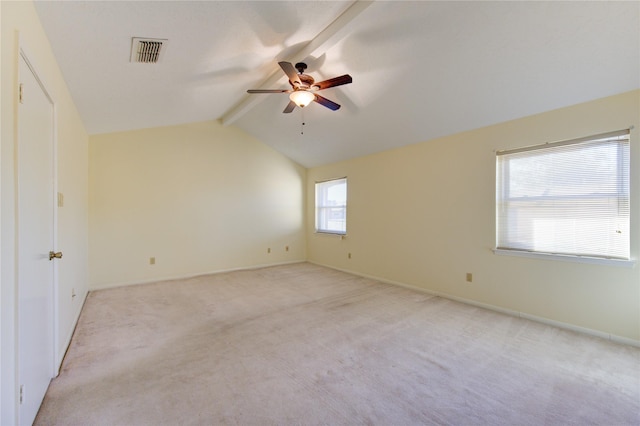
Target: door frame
25, 54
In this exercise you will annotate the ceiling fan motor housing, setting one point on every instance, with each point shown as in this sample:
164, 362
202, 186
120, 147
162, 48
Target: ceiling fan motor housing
306, 81
303, 87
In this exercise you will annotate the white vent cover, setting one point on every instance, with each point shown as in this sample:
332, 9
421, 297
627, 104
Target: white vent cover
147, 50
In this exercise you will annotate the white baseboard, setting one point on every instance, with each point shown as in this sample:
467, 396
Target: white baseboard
511, 312
524, 315
188, 276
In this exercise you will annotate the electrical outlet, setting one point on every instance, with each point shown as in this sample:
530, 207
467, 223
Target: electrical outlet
152, 261
469, 277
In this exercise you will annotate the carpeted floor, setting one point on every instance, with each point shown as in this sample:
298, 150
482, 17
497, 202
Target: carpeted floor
302, 344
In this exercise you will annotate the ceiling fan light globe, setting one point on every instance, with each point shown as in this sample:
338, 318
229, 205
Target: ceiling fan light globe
302, 98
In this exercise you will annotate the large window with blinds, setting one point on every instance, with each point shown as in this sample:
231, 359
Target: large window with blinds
566, 198
331, 206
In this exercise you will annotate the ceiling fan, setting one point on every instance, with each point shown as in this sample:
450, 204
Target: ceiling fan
303, 87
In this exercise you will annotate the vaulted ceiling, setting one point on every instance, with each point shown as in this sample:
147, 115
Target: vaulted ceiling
420, 69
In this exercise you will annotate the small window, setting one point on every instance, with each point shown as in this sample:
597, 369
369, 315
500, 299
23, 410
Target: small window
331, 206
567, 198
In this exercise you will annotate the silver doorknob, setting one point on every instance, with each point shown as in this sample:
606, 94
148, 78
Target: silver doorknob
53, 254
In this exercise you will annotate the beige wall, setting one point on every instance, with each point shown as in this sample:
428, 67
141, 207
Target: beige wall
423, 216
21, 27
198, 197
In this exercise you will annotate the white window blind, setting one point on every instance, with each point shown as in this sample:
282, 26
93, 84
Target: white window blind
569, 198
331, 206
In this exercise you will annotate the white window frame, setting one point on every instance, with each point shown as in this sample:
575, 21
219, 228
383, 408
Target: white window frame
506, 244
325, 208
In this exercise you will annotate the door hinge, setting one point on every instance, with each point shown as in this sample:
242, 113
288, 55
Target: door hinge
21, 393
21, 93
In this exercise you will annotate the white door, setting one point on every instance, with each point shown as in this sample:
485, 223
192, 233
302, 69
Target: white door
35, 240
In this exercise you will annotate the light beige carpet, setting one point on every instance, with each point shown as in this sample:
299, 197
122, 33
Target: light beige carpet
302, 344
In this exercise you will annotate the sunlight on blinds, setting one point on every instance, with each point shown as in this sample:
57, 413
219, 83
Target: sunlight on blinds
566, 198
331, 206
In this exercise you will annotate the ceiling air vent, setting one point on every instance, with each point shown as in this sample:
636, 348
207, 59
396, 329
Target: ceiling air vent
147, 50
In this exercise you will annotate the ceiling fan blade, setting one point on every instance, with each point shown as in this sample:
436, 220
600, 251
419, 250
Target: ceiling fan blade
333, 82
268, 91
290, 107
290, 71
326, 102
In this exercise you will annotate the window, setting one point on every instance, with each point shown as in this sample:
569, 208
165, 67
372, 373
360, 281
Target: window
567, 198
331, 206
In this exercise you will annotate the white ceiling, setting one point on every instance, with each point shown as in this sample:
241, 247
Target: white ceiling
420, 69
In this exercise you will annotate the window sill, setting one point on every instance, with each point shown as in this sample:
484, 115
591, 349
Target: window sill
341, 235
567, 258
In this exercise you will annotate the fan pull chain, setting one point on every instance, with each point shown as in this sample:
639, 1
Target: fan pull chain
303, 123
